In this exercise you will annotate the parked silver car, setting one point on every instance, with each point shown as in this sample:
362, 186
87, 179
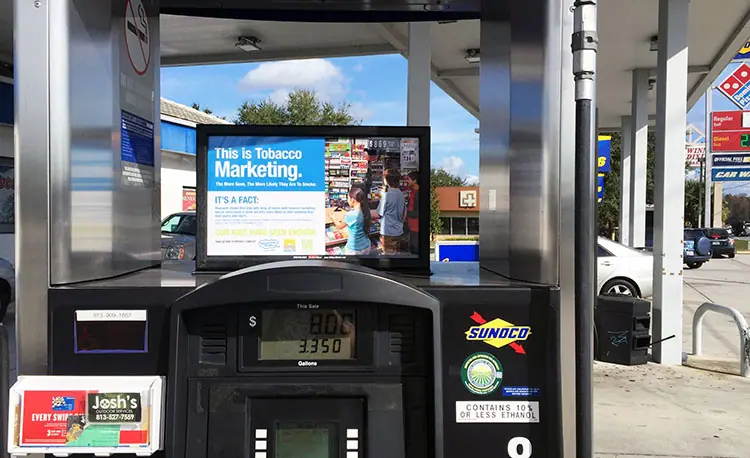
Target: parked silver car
178, 236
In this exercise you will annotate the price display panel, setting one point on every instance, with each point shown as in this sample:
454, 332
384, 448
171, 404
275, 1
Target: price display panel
293, 336
320, 334
730, 141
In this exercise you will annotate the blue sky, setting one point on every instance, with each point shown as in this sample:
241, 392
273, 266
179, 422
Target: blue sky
375, 87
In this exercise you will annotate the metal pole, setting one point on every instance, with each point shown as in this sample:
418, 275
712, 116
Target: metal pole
707, 137
584, 45
700, 193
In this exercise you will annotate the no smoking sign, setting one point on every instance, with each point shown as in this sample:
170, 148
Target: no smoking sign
137, 36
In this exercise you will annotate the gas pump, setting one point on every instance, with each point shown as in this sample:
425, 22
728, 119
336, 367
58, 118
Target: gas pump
299, 358
315, 358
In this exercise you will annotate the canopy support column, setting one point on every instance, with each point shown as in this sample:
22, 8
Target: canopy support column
625, 190
638, 158
418, 86
669, 178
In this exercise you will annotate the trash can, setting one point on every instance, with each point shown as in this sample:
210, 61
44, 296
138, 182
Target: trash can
622, 326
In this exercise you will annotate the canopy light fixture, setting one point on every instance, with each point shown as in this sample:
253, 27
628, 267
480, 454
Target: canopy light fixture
651, 84
472, 56
654, 45
248, 44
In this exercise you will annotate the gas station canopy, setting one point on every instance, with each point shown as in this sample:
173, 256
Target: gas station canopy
626, 29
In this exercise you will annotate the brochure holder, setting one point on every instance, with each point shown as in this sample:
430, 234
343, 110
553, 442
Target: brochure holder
64, 415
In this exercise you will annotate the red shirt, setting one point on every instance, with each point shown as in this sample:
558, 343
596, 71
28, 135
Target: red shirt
412, 212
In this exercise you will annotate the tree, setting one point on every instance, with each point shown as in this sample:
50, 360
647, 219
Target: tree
301, 107
609, 208
196, 106
692, 202
441, 178
436, 224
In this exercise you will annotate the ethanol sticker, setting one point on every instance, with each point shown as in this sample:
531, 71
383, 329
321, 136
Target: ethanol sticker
497, 411
114, 407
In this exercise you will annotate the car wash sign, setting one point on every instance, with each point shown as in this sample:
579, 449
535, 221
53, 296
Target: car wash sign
734, 174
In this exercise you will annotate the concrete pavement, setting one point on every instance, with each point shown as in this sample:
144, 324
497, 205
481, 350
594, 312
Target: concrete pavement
656, 411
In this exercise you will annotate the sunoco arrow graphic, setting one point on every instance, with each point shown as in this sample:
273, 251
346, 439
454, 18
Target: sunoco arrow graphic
500, 341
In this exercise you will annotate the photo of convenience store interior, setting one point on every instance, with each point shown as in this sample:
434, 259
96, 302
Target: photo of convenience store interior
363, 163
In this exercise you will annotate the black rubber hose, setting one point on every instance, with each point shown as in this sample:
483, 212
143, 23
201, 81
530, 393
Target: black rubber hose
585, 275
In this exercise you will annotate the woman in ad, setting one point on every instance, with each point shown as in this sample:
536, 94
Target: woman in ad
358, 220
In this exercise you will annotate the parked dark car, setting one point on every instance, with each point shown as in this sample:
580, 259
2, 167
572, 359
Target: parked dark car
722, 242
696, 248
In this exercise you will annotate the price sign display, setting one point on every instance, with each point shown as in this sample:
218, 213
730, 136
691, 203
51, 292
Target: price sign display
384, 144
731, 131
307, 334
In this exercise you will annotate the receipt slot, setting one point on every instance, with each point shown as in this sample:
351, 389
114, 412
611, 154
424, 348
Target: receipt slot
305, 359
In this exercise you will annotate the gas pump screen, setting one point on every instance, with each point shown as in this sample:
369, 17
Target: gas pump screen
307, 334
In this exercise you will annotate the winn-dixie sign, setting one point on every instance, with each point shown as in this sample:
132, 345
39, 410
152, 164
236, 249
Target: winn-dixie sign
694, 155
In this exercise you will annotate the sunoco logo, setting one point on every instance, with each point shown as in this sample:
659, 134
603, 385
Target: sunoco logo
498, 333
268, 244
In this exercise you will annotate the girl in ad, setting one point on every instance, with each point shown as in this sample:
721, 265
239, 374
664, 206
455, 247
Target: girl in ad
358, 219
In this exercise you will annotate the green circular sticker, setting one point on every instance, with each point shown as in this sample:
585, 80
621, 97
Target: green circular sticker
482, 373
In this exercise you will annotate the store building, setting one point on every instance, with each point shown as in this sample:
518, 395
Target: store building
178, 154
459, 210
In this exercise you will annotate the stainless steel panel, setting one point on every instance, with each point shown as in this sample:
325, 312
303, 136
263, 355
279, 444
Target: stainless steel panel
567, 235
100, 226
527, 159
31, 152
520, 128
494, 137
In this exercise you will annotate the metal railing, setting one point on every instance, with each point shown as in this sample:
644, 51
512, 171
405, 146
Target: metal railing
742, 327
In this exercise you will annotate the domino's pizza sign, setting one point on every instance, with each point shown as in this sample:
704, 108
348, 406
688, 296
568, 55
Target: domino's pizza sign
736, 86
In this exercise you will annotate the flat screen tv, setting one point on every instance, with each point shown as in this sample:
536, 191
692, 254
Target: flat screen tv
352, 193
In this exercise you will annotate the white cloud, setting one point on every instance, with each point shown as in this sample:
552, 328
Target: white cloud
319, 75
360, 111
453, 165
456, 166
